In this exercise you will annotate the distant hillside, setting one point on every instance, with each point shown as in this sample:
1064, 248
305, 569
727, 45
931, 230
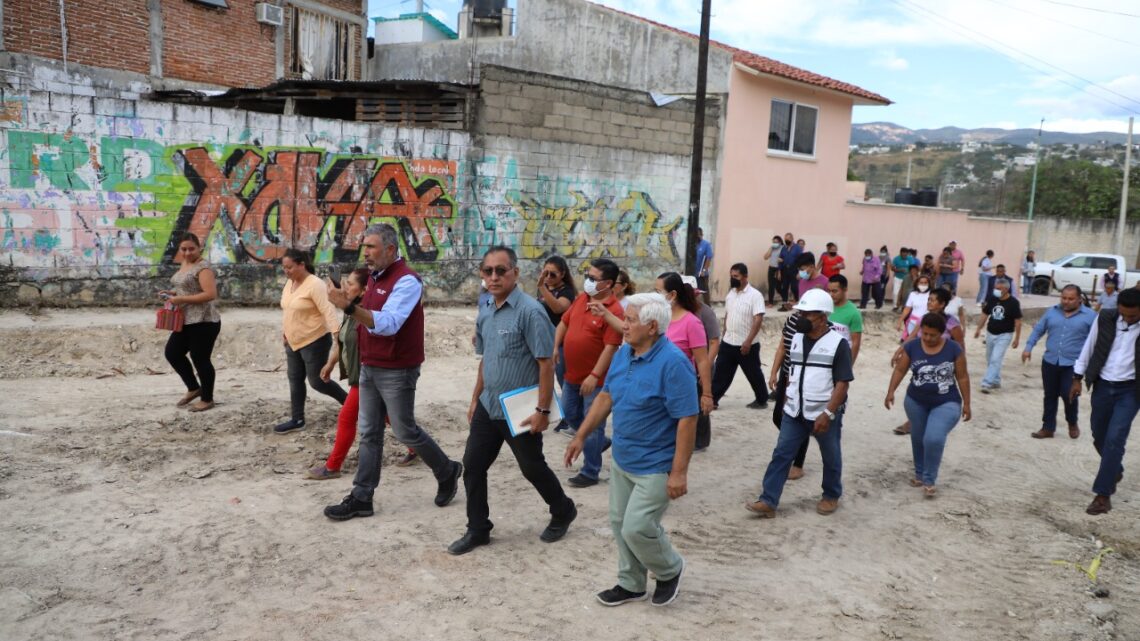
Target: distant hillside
888, 133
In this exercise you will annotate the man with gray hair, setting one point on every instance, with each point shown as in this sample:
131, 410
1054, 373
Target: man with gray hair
1001, 317
651, 388
391, 339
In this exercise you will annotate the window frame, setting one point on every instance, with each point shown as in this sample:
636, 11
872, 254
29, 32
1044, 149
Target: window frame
790, 153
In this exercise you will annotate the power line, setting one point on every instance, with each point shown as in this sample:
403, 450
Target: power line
1067, 24
960, 27
1097, 9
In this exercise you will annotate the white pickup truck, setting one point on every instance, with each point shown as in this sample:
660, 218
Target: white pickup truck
1081, 270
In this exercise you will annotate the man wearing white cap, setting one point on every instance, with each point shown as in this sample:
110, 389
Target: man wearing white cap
817, 392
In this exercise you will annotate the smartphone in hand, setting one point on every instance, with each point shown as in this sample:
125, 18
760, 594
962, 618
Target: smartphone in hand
334, 276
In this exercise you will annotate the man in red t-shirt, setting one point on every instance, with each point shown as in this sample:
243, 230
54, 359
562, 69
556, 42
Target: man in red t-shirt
589, 344
831, 263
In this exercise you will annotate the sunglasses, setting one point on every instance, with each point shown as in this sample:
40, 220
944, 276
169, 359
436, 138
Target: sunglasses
498, 271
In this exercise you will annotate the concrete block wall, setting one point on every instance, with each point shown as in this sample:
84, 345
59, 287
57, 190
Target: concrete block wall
543, 107
1053, 238
96, 185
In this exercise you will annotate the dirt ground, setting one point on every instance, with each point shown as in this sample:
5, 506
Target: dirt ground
123, 517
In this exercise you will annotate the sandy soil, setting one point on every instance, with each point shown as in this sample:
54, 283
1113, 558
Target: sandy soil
123, 517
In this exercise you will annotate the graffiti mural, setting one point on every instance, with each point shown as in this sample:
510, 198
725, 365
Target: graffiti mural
126, 201
628, 227
122, 197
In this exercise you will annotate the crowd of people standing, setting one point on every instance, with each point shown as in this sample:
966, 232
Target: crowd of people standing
658, 364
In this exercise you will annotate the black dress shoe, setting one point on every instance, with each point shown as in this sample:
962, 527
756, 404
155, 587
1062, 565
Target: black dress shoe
559, 525
348, 508
289, 425
470, 541
449, 486
582, 480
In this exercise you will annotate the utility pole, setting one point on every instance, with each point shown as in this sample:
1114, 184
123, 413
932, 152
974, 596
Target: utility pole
698, 143
1124, 193
1033, 185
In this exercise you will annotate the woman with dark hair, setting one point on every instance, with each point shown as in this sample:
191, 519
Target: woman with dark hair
309, 322
556, 292
937, 304
915, 307
938, 396
195, 289
687, 332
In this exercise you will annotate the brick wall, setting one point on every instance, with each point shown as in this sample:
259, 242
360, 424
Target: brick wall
200, 43
103, 33
96, 183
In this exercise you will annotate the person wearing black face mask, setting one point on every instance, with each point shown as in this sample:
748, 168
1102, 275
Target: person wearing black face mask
740, 345
778, 381
819, 375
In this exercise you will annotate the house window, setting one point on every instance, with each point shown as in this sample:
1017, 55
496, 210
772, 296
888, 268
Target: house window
322, 47
792, 128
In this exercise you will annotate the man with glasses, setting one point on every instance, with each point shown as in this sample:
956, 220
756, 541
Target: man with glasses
589, 344
516, 340
391, 339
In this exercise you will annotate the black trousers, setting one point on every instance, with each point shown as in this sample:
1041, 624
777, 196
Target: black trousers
483, 446
704, 425
728, 359
307, 363
197, 340
703, 284
874, 290
774, 284
1058, 380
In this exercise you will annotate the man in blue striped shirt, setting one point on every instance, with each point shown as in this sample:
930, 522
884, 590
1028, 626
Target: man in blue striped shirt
1067, 326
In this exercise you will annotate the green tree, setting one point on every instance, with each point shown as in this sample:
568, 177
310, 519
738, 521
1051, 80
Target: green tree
1074, 189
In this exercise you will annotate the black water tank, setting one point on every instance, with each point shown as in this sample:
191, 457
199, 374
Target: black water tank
927, 197
905, 196
489, 8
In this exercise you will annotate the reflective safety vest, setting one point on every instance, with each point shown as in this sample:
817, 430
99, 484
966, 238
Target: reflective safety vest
810, 381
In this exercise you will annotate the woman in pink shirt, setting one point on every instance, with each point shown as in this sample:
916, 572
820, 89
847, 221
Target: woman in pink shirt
688, 333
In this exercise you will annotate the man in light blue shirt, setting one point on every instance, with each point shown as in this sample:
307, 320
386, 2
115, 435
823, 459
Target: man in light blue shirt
651, 388
1067, 326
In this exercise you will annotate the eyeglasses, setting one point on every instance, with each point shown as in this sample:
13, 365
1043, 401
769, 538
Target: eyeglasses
498, 271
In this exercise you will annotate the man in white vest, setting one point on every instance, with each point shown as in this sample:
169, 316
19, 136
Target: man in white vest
817, 392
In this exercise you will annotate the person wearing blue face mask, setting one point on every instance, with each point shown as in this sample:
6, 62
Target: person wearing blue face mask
1001, 317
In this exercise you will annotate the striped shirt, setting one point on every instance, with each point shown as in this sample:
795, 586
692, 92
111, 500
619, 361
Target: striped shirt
510, 338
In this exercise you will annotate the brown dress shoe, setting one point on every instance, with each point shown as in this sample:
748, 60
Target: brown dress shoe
827, 506
1041, 433
1100, 505
1074, 431
761, 509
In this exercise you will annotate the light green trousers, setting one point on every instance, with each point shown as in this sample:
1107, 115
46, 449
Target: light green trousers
637, 503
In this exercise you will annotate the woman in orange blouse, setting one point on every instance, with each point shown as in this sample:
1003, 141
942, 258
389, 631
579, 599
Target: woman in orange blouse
310, 321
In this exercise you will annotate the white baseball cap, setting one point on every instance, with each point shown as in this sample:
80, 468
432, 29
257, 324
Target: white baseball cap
691, 281
815, 300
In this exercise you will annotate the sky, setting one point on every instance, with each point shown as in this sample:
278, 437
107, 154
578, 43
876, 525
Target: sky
966, 63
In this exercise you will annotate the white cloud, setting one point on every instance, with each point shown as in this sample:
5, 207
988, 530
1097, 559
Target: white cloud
890, 60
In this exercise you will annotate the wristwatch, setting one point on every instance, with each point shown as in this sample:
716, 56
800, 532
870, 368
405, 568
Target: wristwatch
830, 415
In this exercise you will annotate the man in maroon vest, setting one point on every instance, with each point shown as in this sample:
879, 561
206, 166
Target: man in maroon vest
391, 337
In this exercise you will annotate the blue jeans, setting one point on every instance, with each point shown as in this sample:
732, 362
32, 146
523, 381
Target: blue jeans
996, 347
983, 280
929, 427
951, 278
1114, 407
574, 410
1057, 381
1026, 283
794, 432
560, 368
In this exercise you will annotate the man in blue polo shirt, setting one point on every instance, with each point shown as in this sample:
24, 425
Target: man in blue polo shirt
651, 388
1067, 326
